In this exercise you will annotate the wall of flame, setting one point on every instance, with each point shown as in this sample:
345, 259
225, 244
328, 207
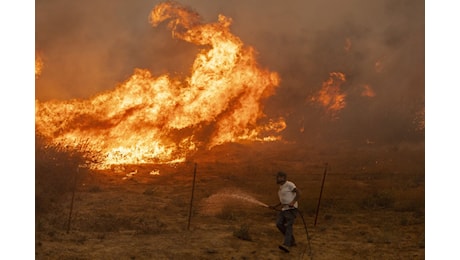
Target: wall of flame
161, 119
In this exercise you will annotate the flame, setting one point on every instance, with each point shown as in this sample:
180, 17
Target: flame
367, 91
149, 119
38, 65
347, 46
330, 95
379, 65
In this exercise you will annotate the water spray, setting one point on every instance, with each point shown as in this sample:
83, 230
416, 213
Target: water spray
214, 204
241, 196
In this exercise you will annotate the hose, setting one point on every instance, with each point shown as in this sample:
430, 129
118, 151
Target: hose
308, 236
306, 231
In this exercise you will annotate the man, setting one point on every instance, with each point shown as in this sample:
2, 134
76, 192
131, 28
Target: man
288, 196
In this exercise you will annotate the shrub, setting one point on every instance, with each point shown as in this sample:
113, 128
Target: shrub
56, 170
109, 222
243, 232
94, 188
378, 200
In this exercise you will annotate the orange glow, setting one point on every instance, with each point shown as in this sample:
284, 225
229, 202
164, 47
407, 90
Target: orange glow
330, 95
38, 65
347, 46
367, 91
161, 119
378, 66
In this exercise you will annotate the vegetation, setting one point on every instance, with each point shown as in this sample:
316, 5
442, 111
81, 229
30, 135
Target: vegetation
378, 200
243, 232
56, 170
368, 210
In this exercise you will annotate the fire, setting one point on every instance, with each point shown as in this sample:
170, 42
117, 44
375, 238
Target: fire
149, 119
379, 65
38, 65
347, 46
367, 91
330, 95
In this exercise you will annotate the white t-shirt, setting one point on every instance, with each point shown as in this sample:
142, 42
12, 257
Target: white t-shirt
286, 195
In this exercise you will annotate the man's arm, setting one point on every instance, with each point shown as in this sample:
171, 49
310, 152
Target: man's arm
296, 198
275, 206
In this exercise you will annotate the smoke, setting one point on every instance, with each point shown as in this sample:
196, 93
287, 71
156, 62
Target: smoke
91, 46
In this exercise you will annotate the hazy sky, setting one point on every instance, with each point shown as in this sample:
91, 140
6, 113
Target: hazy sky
91, 46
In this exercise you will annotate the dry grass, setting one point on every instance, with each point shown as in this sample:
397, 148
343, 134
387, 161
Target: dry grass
368, 210
243, 232
58, 169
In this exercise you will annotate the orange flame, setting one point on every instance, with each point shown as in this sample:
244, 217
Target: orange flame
330, 95
38, 65
367, 91
379, 65
347, 46
160, 119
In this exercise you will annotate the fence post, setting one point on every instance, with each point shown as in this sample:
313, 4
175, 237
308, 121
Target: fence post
73, 196
321, 193
191, 199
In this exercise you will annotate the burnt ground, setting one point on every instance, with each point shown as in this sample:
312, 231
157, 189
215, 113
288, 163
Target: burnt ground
372, 207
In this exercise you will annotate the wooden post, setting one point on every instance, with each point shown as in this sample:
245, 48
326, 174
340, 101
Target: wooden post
320, 193
73, 196
191, 199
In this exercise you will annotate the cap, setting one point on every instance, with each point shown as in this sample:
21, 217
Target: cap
281, 174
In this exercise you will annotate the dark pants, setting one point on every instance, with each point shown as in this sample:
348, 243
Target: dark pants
284, 223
